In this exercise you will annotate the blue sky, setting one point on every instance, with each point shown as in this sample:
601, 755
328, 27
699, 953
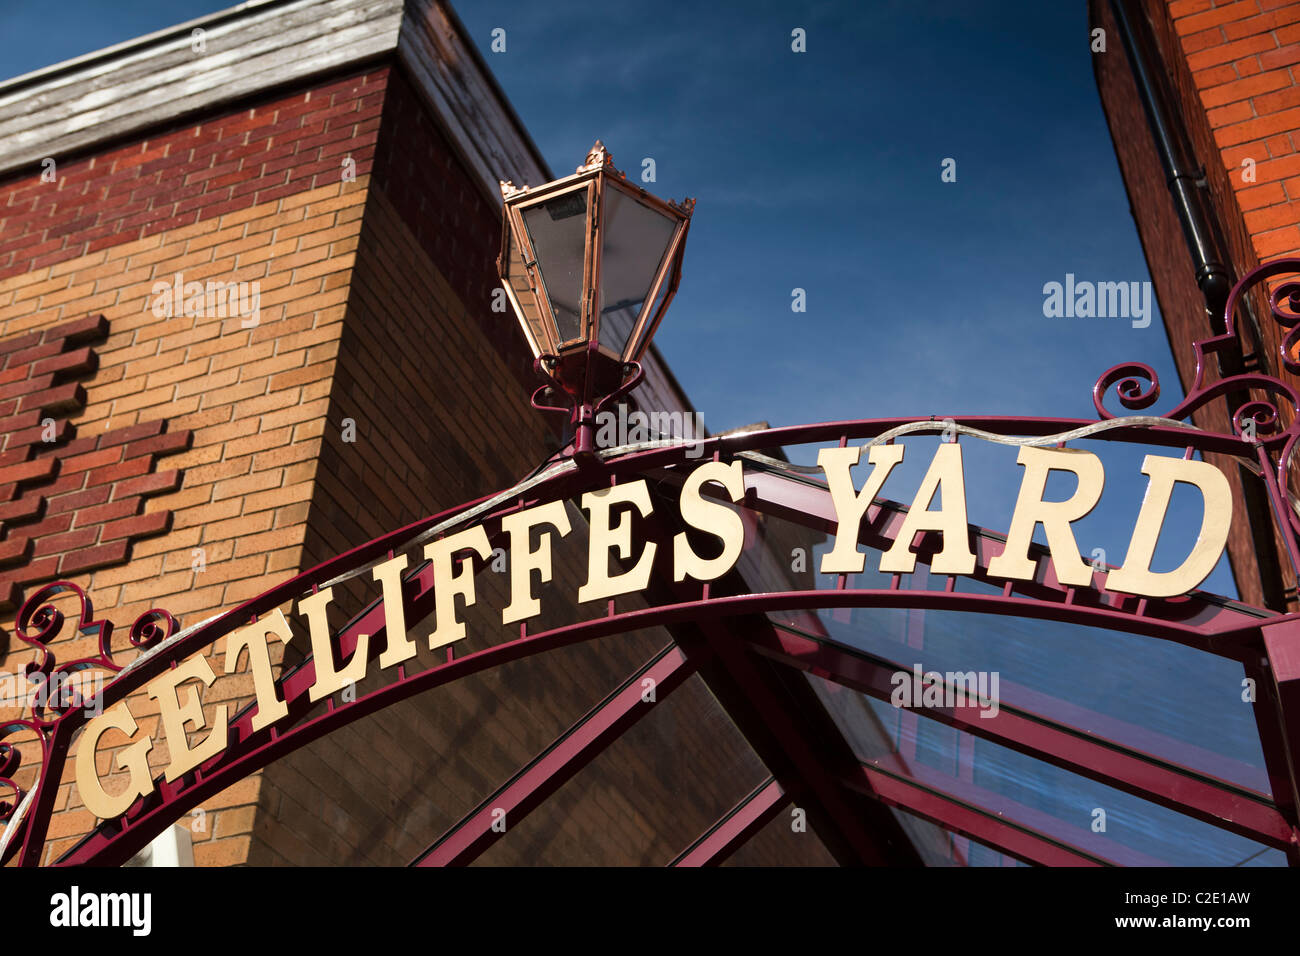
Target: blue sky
821, 171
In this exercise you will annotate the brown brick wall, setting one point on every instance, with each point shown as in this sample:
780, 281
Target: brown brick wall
260, 198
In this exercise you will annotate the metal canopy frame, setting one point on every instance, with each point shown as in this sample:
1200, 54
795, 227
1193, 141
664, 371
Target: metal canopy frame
754, 665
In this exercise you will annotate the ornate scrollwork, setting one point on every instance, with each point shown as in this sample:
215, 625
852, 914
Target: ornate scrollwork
45, 689
152, 628
1129, 380
1259, 420
11, 795
48, 686
1137, 385
1284, 303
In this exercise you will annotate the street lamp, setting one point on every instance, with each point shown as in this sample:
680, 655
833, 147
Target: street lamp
590, 263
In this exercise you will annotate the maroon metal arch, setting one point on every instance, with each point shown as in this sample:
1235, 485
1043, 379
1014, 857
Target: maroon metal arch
1199, 621
248, 752
1224, 632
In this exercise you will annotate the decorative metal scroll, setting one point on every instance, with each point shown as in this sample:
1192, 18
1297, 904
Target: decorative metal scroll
50, 691
1258, 421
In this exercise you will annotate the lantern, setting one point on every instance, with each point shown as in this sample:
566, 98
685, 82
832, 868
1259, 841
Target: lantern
590, 264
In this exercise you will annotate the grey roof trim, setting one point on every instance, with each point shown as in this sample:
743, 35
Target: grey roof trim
151, 81
149, 39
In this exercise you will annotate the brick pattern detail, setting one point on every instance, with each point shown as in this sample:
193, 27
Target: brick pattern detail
1243, 59
254, 398
191, 174
69, 503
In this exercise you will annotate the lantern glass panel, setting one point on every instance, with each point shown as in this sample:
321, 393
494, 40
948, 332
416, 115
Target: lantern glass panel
557, 229
634, 350
516, 280
636, 238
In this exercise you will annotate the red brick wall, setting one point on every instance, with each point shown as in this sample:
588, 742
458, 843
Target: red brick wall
254, 193
1235, 68
69, 504
192, 173
1243, 58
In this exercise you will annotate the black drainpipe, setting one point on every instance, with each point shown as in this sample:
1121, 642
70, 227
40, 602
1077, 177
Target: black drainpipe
1194, 207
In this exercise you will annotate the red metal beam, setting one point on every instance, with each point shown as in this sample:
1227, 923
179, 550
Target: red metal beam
1277, 711
730, 833
1003, 835
1077, 838
785, 724
799, 743
1233, 808
559, 762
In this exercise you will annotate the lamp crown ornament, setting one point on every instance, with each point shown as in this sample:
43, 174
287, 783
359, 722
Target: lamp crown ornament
590, 264
598, 157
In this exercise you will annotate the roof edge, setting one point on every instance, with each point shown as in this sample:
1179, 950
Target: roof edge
136, 43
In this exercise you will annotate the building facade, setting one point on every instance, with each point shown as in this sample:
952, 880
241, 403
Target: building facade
254, 352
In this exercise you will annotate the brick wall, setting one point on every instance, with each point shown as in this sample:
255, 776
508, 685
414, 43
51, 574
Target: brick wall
255, 194
70, 505
1243, 59
191, 174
